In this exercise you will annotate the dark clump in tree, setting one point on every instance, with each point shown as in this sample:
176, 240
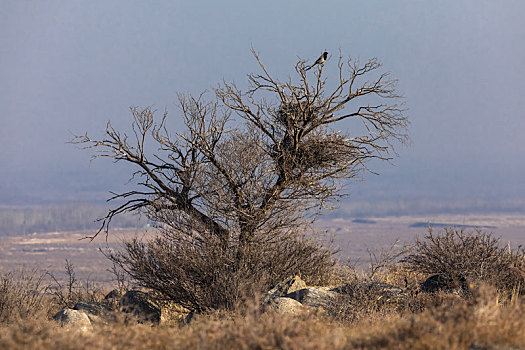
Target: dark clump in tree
233, 196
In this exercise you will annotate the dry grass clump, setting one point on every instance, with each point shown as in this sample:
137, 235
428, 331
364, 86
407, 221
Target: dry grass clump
28, 293
468, 256
22, 295
69, 290
479, 323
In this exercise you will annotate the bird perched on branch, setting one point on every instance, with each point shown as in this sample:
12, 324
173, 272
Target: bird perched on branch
320, 60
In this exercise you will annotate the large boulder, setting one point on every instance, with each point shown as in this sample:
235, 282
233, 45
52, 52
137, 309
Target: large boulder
142, 305
97, 312
112, 299
91, 307
284, 288
73, 319
284, 305
170, 311
314, 297
114, 294
150, 307
287, 306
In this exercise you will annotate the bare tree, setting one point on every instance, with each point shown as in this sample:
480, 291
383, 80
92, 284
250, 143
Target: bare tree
240, 186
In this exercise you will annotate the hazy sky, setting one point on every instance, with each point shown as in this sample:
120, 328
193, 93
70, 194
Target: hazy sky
69, 66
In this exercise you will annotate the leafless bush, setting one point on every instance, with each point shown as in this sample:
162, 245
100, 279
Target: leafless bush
119, 277
384, 259
205, 276
67, 293
469, 256
22, 294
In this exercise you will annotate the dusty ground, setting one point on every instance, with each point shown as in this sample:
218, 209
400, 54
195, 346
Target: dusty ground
354, 237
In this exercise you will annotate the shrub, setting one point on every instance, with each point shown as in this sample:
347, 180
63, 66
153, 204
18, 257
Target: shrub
207, 276
22, 294
69, 292
468, 256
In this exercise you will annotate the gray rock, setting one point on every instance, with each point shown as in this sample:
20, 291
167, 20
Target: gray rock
314, 297
114, 294
97, 312
288, 286
144, 306
73, 319
287, 306
170, 311
93, 308
112, 299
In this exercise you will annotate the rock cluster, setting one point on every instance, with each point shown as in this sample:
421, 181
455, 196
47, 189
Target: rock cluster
291, 296
144, 307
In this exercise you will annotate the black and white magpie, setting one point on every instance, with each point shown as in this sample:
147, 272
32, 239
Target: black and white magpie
320, 60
